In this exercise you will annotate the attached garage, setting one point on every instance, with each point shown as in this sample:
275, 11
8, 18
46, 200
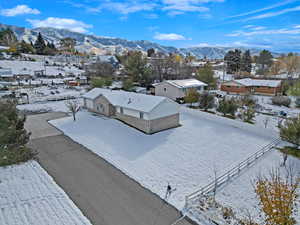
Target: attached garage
147, 113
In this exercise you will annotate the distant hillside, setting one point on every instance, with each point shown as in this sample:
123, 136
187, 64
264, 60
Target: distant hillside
101, 45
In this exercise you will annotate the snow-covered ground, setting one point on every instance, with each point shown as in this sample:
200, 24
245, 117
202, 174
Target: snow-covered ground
29, 196
42, 98
240, 194
59, 106
185, 157
43, 94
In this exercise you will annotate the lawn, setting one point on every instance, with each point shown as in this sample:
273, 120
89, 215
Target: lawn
184, 157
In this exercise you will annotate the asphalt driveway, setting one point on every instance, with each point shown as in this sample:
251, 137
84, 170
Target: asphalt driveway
103, 193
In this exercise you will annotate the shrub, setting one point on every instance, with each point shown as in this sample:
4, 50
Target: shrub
248, 114
247, 100
281, 101
192, 96
227, 107
290, 131
206, 101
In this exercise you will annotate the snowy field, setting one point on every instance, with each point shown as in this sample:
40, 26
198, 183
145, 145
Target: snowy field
29, 196
59, 106
42, 94
185, 157
41, 99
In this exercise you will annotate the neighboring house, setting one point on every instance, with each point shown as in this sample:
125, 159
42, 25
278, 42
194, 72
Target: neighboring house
6, 75
147, 113
253, 86
177, 89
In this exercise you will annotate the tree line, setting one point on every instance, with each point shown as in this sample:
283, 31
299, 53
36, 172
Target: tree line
40, 46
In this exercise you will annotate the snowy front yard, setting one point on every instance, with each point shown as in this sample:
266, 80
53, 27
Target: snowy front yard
29, 196
240, 194
185, 157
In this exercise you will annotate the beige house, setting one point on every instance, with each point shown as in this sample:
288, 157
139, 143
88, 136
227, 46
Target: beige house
177, 89
147, 113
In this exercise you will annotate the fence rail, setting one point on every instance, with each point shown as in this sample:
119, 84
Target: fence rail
212, 186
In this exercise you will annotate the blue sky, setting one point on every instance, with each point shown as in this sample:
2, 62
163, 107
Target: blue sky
270, 24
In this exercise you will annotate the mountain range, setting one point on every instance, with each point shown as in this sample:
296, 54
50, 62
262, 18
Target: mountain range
104, 45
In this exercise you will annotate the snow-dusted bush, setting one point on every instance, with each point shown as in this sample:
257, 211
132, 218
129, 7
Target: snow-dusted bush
281, 101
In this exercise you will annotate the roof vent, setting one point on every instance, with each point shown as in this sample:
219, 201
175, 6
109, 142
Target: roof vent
129, 101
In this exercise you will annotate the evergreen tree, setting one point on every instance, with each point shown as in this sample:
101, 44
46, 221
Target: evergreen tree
137, 68
227, 107
265, 60
150, 52
13, 136
206, 101
233, 61
40, 45
246, 62
206, 75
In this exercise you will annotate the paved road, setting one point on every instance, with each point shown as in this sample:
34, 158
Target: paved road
102, 192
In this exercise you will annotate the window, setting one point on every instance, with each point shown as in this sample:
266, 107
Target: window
165, 89
141, 115
228, 86
121, 110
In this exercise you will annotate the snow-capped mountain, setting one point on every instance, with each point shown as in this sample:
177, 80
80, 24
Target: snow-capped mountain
103, 45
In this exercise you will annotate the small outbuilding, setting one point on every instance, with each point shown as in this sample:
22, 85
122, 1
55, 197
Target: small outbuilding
177, 89
253, 86
147, 113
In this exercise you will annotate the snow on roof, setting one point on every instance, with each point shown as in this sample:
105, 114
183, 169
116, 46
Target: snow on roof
129, 100
187, 83
254, 82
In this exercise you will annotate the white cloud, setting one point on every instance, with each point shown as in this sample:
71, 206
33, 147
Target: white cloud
151, 16
173, 7
169, 37
282, 3
19, 10
272, 14
153, 28
186, 5
61, 23
128, 7
253, 27
265, 32
234, 44
175, 13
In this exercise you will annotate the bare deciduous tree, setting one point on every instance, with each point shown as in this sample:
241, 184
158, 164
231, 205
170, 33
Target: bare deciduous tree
266, 121
74, 107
